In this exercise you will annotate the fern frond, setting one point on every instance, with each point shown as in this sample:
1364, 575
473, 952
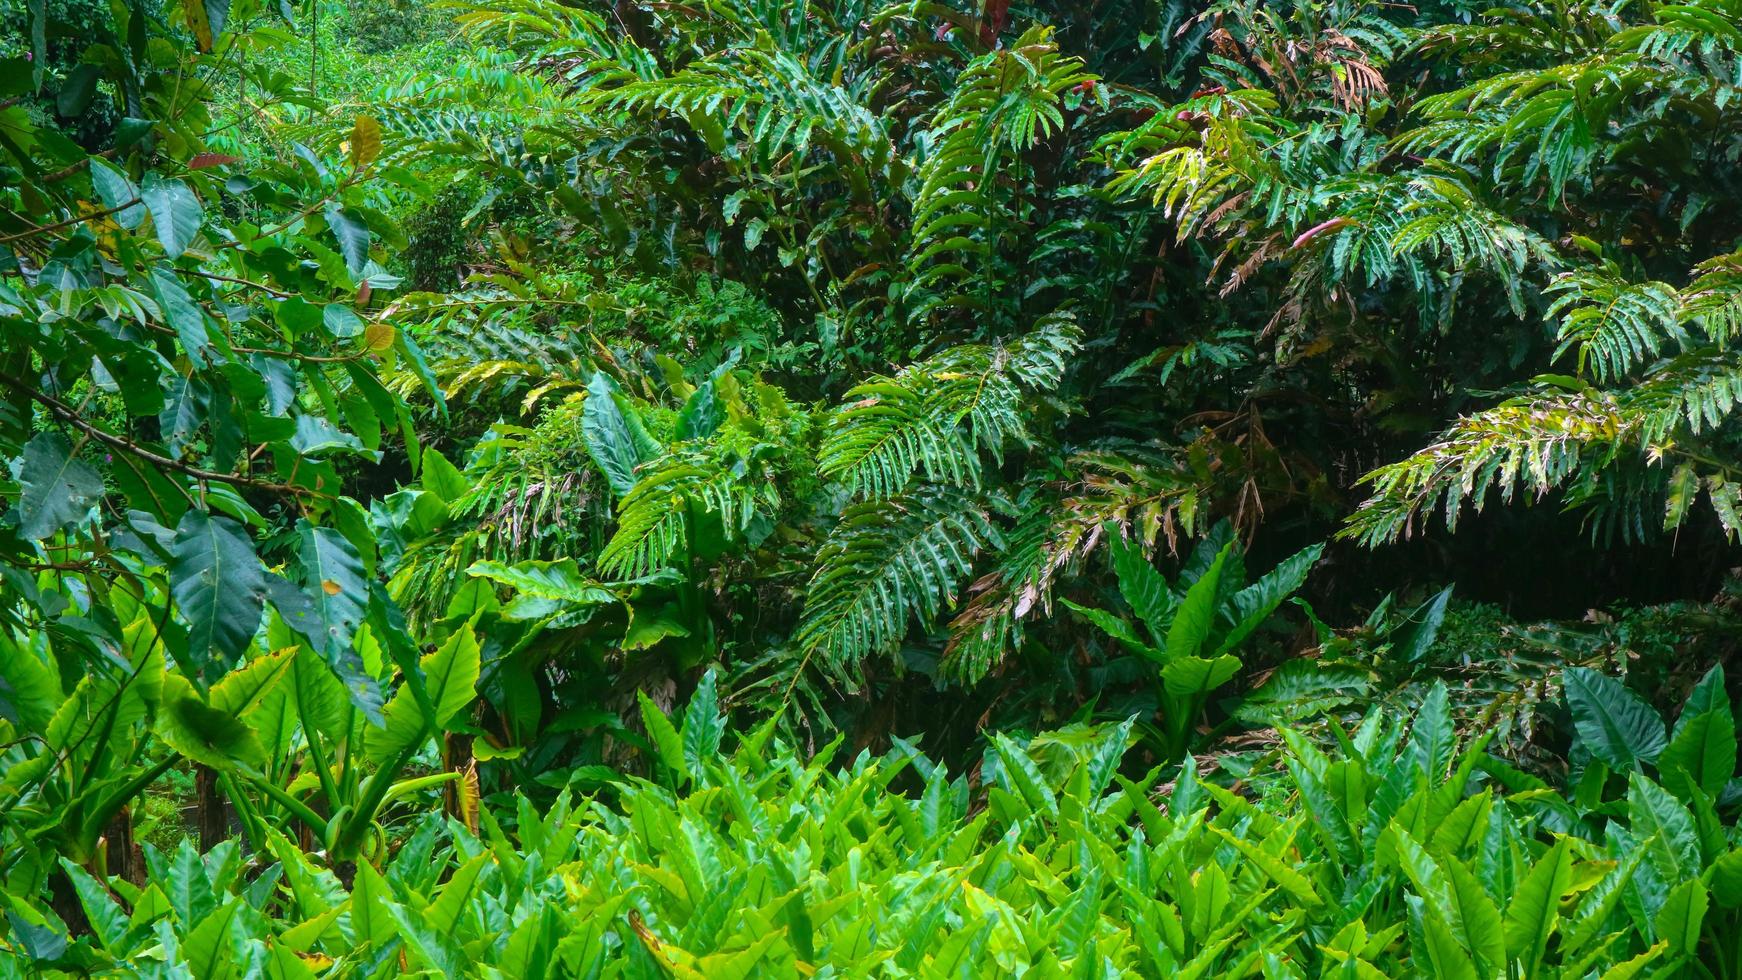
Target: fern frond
886, 562
1614, 325
1003, 103
656, 518
1056, 528
935, 417
1554, 438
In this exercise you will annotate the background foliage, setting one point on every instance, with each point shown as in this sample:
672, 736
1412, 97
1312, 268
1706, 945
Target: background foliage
1277, 459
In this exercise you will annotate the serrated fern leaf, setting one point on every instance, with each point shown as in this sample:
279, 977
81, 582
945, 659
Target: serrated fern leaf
889, 561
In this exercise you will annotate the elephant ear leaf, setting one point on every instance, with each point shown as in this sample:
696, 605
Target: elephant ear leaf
205, 733
1196, 614
1142, 586
615, 437
1191, 676
450, 676
1611, 721
1534, 911
56, 488
1254, 604
1702, 752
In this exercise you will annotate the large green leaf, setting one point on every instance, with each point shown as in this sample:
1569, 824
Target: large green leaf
1611, 721
186, 316
1665, 828
1534, 911
1683, 913
1254, 605
668, 745
450, 676
220, 588
1196, 614
704, 725
242, 690
116, 191
353, 236
30, 690
1437, 946
333, 577
1702, 752
108, 922
614, 437
1142, 586
1413, 642
1475, 918
55, 487
560, 579
175, 212
1193, 676
203, 732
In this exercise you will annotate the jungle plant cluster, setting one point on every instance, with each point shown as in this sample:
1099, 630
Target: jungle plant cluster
967, 488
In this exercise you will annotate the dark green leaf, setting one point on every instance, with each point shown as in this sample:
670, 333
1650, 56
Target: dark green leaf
220, 588
55, 489
353, 236
1612, 721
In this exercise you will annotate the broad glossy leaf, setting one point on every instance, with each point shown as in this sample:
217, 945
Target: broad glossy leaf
612, 435
116, 191
220, 588
1196, 615
442, 478
1254, 605
1702, 752
55, 487
1683, 913
703, 725
667, 744
107, 920
1413, 642
450, 676
1612, 721
204, 733
1665, 828
175, 212
30, 690
1534, 912
701, 413
1193, 676
333, 578
559, 579
353, 236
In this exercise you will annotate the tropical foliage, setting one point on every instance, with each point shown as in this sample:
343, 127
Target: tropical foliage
508, 487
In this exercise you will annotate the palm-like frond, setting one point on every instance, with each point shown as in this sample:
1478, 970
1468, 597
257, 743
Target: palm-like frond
1554, 438
934, 418
1614, 325
656, 518
887, 561
1003, 103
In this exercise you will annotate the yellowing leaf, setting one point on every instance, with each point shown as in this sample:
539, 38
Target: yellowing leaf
365, 141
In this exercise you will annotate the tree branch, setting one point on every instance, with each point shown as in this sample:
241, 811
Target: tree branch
66, 414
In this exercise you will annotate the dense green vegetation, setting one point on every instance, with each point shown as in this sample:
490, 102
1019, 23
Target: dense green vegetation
849, 488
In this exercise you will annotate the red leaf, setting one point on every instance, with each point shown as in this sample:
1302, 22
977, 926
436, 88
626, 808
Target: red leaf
206, 161
992, 18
